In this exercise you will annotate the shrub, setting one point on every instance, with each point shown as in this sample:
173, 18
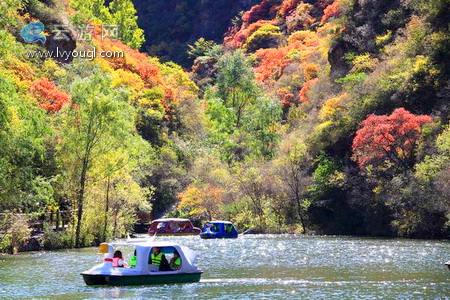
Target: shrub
5, 244
310, 72
50, 97
57, 240
267, 36
17, 233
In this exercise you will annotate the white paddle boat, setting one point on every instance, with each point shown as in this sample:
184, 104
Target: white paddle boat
143, 273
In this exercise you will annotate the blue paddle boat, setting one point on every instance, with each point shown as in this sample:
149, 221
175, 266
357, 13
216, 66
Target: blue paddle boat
219, 230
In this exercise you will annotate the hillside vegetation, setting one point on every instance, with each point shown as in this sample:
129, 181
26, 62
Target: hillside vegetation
325, 116
93, 139
329, 114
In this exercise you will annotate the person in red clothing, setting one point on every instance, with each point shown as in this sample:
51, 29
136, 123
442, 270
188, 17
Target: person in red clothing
118, 261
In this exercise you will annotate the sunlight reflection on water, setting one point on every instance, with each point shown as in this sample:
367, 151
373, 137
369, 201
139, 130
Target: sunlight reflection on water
253, 267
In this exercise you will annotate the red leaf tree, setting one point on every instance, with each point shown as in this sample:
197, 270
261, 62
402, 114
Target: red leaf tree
303, 95
272, 63
49, 96
332, 10
388, 141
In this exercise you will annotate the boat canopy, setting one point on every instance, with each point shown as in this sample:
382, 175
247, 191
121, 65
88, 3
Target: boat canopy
173, 226
171, 220
144, 250
220, 222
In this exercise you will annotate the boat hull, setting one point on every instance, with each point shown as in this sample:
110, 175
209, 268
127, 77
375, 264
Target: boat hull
175, 233
217, 236
115, 280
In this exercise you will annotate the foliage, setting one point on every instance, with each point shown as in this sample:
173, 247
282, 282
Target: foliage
9, 12
201, 202
22, 133
272, 63
303, 95
50, 97
17, 233
388, 142
332, 10
201, 47
118, 12
235, 85
98, 125
320, 115
266, 36
57, 240
325, 176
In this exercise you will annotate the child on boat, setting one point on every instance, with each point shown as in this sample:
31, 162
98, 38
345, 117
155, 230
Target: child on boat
118, 261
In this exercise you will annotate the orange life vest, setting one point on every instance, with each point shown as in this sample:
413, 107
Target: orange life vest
116, 262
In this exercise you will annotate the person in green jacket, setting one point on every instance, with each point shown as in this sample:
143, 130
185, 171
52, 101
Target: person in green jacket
175, 261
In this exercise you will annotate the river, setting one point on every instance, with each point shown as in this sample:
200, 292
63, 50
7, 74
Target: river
253, 267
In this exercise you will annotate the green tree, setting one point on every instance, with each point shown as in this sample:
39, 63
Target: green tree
292, 166
235, 83
201, 47
22, 134
118, 12
261, 123
123, 14
98, 122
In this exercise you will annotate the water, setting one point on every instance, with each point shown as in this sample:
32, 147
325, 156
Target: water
253, 267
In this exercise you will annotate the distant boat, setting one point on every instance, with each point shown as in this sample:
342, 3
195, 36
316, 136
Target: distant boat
219, 230
143, 273
448, 264
173, 226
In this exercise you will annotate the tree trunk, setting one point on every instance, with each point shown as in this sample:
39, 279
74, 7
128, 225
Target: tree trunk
116, 212
80, 201
57, 220
299, 211
105, 225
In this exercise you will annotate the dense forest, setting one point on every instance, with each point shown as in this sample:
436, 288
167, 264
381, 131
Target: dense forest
307, 116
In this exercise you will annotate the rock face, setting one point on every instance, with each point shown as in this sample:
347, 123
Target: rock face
170, 25
65, 44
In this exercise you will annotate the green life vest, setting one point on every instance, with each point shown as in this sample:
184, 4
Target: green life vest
156, 259
177, 262
133, 261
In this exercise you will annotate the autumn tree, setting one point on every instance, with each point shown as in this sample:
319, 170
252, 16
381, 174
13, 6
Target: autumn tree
388, 142
332, 10
201, 201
